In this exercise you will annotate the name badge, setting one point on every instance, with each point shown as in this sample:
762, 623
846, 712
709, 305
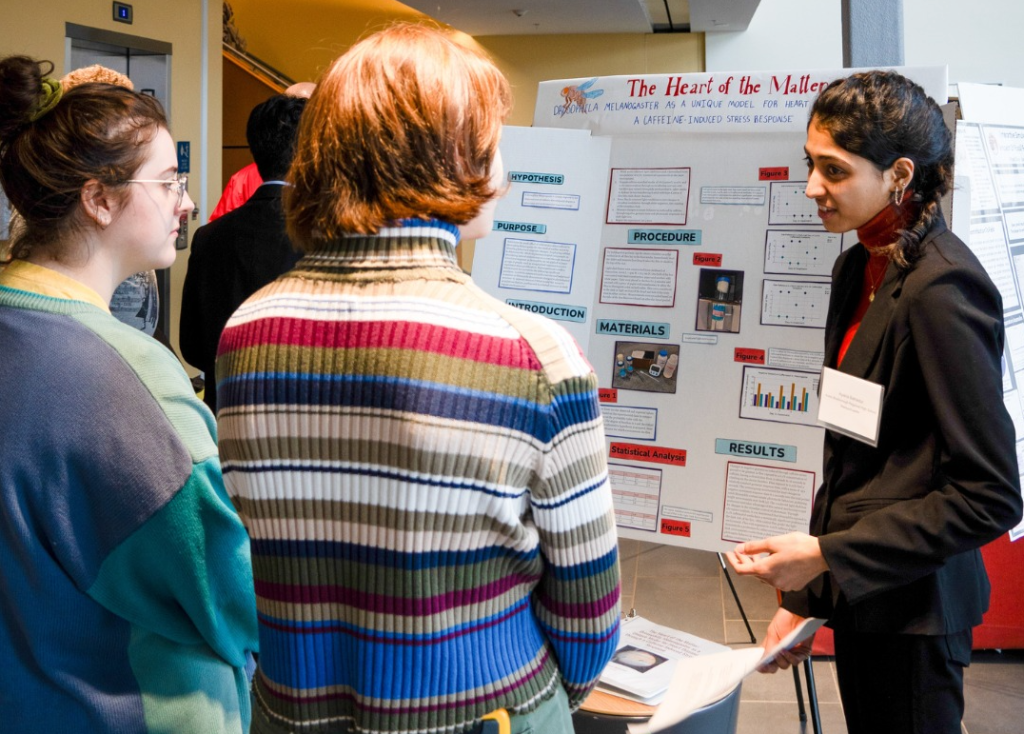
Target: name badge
850, 405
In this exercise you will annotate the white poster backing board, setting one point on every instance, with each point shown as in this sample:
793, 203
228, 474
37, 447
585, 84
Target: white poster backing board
990, 175
542, 255
703, 271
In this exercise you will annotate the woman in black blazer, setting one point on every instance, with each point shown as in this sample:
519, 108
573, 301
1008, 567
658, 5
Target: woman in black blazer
892, 557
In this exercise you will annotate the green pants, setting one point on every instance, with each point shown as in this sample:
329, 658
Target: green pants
551, 717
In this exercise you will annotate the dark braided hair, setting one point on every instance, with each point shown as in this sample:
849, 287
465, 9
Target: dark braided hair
883, 116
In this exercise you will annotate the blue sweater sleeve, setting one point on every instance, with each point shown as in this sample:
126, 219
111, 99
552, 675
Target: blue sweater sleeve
184, 582
185, 574
180, 573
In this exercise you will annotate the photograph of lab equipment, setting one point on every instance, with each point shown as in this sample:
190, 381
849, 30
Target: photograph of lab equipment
645, 366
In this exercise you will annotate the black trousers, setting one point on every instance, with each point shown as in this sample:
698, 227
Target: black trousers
902, 684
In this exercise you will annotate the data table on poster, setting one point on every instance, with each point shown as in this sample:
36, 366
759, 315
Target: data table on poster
636, 494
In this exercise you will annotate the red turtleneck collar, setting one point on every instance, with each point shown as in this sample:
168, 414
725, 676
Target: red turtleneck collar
881, 230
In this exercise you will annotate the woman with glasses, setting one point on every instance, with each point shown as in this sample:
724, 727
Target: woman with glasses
127, 587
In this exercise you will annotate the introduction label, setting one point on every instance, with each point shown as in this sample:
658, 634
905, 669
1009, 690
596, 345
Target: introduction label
556, 311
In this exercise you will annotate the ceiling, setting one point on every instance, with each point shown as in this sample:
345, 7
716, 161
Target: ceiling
534, 17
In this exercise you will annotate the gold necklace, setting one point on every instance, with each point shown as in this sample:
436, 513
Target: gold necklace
874, 282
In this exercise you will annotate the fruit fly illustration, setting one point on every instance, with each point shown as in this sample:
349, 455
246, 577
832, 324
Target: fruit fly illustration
578, 95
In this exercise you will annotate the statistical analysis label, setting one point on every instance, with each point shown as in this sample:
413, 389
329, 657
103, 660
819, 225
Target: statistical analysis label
781, 396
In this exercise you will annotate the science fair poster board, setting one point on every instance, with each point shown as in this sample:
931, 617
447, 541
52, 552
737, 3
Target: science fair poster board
662, 219
990, 163
540, 256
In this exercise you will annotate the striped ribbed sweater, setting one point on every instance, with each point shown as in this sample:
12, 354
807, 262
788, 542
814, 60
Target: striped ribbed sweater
421, 469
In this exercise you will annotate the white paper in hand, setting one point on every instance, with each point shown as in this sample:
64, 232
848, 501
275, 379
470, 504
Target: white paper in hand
701, 681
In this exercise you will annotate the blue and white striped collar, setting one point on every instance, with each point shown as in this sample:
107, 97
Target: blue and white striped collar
408, 243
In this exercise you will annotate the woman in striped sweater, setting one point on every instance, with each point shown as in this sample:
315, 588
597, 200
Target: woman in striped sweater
421, 468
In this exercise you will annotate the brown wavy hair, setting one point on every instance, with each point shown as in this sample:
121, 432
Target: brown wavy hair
883, 116
404, 125
96, 131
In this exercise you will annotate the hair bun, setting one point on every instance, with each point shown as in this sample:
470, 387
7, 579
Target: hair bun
21, 81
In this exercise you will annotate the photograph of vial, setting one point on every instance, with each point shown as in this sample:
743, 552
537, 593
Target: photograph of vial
719, 300
638, 659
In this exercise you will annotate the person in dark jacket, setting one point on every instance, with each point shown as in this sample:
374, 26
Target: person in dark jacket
235, 255
892, 558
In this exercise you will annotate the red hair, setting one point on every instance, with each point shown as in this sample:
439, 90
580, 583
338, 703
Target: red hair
404, 125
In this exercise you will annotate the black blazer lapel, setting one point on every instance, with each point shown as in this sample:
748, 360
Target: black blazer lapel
845, 295
863, 350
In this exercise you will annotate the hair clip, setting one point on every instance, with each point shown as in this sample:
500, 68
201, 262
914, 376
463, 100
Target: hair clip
50, 93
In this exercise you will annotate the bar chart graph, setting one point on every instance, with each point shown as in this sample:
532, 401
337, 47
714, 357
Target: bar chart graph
785, 396
781, 400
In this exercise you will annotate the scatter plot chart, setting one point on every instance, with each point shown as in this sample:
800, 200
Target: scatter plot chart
795, 303
801, 253
789, 205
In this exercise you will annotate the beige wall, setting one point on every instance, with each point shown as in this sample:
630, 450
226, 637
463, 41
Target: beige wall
300, 38
39, 32
528, 60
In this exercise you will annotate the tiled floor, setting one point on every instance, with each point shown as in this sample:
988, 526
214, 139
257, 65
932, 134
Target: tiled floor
686, 589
